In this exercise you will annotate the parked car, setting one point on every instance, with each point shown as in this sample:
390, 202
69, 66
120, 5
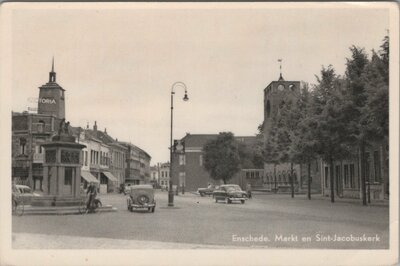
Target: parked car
25, 193
141, 197
207, 191
230, 193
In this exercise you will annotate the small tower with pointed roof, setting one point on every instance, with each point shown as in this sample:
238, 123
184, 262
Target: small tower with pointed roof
51, 97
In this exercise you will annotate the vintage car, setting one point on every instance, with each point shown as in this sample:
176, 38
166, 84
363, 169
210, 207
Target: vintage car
25, 193
207, 191
141, 197
230, 193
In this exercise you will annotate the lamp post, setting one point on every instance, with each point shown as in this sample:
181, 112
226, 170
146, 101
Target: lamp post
185, 98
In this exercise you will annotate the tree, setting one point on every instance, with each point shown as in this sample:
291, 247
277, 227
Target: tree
376, 78
329, 113
271, 149
356, 94
287, 121
303, 144
221, 157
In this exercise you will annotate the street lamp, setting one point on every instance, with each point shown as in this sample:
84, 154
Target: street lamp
185, 98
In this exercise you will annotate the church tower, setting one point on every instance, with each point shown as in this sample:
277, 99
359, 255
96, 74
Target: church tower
275, 94
51, 97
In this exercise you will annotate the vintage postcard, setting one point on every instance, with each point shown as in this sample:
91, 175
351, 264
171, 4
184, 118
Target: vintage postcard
199, 133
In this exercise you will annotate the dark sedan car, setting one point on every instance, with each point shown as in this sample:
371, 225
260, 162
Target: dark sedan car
230, 193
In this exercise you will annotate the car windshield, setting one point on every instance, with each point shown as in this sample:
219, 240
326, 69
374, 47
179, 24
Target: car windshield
233, 188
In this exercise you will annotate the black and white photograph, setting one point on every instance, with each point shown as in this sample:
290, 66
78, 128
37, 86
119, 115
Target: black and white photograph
160, 133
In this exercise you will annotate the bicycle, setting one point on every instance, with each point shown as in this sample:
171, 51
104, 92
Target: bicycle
18, 206
93, 208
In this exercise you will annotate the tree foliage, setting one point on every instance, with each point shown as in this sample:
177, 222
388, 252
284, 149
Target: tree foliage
221, 157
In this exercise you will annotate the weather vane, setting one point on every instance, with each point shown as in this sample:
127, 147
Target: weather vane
280, 68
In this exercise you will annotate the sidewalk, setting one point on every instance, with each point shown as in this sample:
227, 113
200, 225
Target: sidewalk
41, 241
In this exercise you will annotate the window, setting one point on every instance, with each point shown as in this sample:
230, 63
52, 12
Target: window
326, 177
22, 144
377, 167
182, 159
86, 159
337, 172
201, 160
68, 176
162, 173
182, 177
40, 127
352, 184
346, 176
247, 175
268, 109
367, 166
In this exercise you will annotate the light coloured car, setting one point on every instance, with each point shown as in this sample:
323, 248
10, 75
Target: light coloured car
25, 193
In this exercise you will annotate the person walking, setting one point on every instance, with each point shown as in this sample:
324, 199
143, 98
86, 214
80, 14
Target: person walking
248, 190
92, 193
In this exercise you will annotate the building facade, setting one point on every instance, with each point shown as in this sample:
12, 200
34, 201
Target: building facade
188, 171
29, 131
346, 173
137, 169
164, 175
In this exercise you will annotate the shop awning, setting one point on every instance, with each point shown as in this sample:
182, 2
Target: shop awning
110, 176
88, 177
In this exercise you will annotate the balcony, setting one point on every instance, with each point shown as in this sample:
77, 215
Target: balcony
38, 158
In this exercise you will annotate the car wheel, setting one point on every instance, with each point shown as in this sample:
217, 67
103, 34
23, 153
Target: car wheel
216, 200
201, 194
242, 201
153, 209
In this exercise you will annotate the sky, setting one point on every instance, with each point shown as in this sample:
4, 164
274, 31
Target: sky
117, 65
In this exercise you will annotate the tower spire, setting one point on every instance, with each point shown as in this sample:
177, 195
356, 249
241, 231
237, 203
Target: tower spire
52, 74
280, 69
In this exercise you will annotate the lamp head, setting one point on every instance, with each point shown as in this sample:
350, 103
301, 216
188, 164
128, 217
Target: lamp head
186, 98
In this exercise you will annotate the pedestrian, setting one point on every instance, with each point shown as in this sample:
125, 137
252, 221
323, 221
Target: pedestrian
92, 192
248, 190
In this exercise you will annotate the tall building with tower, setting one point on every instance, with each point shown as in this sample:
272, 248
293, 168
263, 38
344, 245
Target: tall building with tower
277, 176
51, 97
31, 130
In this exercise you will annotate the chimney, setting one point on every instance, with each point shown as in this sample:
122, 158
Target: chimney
105, 130
95, 126
87, 125
116, 139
